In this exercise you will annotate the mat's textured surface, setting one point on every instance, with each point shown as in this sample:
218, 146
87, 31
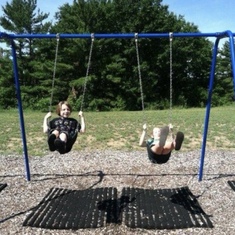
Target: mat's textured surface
74, 209
138, 208
163, 209
2, 186
232, 184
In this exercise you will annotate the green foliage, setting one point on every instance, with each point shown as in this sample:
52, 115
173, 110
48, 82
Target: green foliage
42, 104
223, 92
113, 79
7, 91
20, 17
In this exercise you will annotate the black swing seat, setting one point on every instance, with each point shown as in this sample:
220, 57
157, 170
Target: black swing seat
61, 146
71, 135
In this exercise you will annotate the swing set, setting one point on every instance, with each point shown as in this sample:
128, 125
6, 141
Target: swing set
218, 36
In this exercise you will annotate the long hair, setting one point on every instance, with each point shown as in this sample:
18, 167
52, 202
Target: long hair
59, 106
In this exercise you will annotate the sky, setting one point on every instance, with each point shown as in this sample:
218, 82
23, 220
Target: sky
210, 16
45, 6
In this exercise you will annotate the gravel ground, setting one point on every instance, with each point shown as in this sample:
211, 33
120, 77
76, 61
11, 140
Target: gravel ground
79, 170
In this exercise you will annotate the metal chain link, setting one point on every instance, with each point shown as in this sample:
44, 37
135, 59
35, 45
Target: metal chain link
140, 78
54, 70
171, 89
87, 71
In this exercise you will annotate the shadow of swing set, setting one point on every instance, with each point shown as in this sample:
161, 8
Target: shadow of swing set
136, 208
174, 208
218, 36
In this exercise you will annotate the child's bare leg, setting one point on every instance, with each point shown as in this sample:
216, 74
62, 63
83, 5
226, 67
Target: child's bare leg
163, 136
160, 136
60, 143
56, 133
157, 149
156, 134
168, 147
63, 137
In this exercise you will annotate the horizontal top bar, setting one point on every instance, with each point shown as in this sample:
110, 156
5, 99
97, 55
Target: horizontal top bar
118, 35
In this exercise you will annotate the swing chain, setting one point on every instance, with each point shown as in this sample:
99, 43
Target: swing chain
139, 73
87, 71
171, 89
54, 70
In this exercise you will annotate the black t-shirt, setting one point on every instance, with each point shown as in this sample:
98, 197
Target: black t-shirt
69, 126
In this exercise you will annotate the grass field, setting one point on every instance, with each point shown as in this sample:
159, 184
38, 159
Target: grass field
121, 130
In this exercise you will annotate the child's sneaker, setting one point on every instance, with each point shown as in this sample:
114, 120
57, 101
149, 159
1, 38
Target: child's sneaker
60, 146
163, 136
51, 144
179, 140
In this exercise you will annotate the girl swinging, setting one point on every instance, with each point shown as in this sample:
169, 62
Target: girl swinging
160, 145
62, 131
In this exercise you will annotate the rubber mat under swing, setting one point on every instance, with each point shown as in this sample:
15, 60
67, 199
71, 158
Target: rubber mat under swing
74, 209
2, 186
163, 209
232, 184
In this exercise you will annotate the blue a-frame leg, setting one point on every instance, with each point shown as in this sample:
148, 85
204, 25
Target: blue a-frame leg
21, 116
211, 83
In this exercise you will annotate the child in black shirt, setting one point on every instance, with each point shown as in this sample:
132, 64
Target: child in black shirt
62, 131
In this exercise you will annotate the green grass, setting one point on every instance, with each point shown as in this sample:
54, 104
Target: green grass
121, 130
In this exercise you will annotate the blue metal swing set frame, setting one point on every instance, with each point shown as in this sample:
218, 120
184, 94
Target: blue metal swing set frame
218, 36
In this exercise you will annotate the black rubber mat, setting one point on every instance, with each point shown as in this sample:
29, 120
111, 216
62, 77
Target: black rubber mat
163, 209
2, 186
232, 184
75, 209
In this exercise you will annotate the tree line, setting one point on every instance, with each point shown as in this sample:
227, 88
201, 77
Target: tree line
113, 79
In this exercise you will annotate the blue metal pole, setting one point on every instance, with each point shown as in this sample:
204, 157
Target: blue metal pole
21, 116
232, 55
112, 35
208, 106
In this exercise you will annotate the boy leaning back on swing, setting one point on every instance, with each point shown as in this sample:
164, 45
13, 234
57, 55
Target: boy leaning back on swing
62, 131
160, 145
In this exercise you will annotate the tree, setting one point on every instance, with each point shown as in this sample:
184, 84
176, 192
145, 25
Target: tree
22, 16
154, 56
223, 85
113, 81
7, 98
